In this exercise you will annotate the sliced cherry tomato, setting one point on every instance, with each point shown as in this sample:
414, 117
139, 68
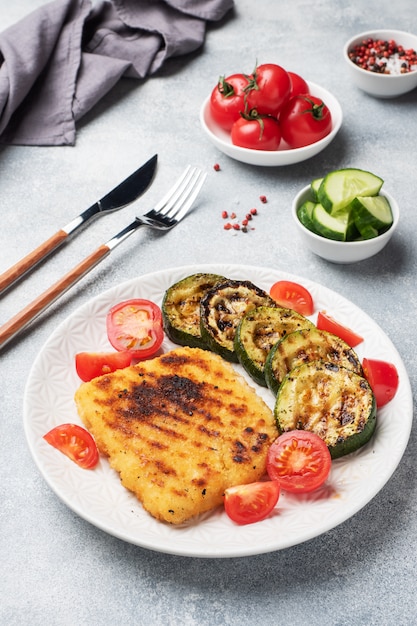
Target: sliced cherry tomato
76, 443
246, 504
292, 296
299, 460
256, 132
227, 100
304, 120
383, 379
326, 322
298, 85
135, 326
92, 364
268, 89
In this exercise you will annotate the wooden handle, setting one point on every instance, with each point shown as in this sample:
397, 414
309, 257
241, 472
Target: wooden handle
11, 328
18, 270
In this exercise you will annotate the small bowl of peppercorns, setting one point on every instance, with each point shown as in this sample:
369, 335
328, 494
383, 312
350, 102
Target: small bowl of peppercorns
383, 62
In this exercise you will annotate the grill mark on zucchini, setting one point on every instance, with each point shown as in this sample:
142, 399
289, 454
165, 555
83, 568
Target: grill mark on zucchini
181, 308
221, 310
258, 331
332, 401
303, 346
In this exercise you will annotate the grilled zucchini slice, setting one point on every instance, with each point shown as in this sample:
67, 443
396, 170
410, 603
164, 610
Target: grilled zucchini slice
332, 401
258, 331
221, 310
181, 308
303, 346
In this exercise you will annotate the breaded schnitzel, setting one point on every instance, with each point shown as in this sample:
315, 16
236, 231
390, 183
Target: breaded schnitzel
179, 429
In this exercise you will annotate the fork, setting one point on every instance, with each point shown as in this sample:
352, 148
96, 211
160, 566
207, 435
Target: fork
173, 207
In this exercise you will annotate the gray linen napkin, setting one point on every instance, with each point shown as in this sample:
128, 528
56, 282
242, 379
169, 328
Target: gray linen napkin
60, 60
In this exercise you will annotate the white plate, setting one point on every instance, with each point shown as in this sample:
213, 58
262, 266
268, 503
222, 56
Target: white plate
98, 496
284, 155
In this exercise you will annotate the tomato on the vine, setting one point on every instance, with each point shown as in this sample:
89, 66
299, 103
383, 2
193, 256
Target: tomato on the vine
299, 460
383, 379
135, 326
92, 364
298, 85
304, 120
293, 296
328, 323
76, 443
256, 132
227, 100
246, 504
268, 89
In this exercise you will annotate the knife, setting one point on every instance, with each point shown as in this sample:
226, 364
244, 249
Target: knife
120, 196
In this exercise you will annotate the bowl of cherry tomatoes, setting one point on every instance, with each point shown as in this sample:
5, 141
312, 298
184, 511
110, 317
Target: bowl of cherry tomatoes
271, 117
383, 63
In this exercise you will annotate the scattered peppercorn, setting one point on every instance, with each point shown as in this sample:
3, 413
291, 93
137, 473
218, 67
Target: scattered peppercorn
254, 211
236, 226
216, 167
233, 216
263, 199
227, 226
225, 215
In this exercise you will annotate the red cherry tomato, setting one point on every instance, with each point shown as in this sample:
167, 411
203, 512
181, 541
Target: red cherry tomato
383, 379
304, 120
299, 460
227, 100
268, 89
135, 326
76, 443
298, 85
92, 364
246, 504
256, 132
326, 322
293, 296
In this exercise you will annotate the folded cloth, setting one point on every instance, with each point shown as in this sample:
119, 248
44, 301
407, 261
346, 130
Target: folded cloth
60, 60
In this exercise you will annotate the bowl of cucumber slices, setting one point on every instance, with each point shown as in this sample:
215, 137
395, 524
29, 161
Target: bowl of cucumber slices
345, 216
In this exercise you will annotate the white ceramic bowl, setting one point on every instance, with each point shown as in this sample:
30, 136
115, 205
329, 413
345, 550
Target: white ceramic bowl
382, 85
284, 155
343, 251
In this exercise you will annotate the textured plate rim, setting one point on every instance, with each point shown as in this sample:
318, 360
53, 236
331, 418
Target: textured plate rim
249, 540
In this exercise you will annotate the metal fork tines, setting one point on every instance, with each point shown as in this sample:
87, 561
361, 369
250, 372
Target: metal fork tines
173, 207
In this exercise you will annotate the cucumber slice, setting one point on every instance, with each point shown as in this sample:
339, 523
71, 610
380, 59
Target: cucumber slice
341, 227
371, 214
334, 402
340, 187
305, 214
314, 186
258, 332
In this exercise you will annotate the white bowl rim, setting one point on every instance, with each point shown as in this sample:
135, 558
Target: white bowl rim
351, 244
337, 119
393, 34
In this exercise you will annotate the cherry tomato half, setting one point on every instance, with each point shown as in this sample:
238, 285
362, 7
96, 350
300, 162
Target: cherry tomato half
304, 120
298, 85
292, 296
299, 460
383, 379
246, 504
92, 364
256, 132
326, 322
76, 443
268, 89
135, 326
227, 100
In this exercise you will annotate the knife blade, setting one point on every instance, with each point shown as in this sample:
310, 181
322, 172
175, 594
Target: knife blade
125, 193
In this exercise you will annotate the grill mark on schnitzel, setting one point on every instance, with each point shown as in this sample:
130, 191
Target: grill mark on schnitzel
179, 429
